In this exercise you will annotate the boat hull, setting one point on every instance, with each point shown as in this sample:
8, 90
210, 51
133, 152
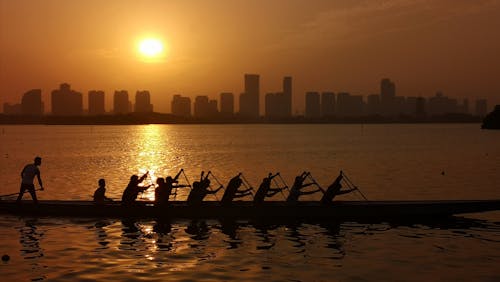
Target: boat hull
341, 210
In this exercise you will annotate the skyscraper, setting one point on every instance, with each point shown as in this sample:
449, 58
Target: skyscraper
31, 103
313, 109
143, 102
96, 102
121, 104
387, 96
249, 100
327, 104
66, 102
227, 104
181, 106
287, 97
481, 107
203, 107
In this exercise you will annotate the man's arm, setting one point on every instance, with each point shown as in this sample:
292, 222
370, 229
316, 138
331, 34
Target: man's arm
243, 191
39, 180
242, 195
309, 192
273, 192
214, 191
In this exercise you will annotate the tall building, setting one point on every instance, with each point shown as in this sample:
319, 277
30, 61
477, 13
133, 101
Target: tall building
227, 104
327, 104
287, 97
440, 105
373, 105
31, 103
181, 106
481, 107
271, 109
96, 102
121, 104
313, 109
249, 100
387, 96
143, 102
9, 109
66, 102
349, 105
420, 111
205, 108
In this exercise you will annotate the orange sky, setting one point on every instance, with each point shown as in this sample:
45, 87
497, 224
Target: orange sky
337, 45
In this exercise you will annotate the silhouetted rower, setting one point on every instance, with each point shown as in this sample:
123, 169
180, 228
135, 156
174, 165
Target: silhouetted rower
333, 190
298, 184
133, 189
165, 187
200, 190
100, 193
265, 190
232, 191
27, 176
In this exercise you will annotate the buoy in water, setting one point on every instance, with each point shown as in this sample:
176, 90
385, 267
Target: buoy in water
5, 257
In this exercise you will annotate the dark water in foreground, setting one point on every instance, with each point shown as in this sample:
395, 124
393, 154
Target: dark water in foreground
385, 161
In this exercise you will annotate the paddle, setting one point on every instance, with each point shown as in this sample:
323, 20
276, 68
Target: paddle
14, 194
210, 186
316, 183
247, 184
349, 183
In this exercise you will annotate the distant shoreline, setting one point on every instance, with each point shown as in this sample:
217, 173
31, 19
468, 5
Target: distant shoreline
158, 118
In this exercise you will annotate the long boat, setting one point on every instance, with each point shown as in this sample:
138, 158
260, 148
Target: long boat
338, 210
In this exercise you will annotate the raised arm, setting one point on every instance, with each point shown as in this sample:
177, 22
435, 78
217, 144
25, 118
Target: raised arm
143, 177
178, 174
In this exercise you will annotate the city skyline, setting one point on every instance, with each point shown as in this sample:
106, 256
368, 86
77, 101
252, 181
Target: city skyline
277, 105
340, 46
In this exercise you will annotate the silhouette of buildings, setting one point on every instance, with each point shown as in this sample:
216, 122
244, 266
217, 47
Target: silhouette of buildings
313, 109
327, 104
31, 103
121, 103
349, 105
96, 102
66, 102
181, 106
143, 102
373, 105
9, 109
227, 104
481, 107
387, 96
279, 105
385, 106
249, 100
205, 108
287, 97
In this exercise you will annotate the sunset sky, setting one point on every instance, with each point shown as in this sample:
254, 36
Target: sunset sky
335, 45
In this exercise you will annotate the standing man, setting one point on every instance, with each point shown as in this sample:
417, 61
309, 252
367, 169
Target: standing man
27, 175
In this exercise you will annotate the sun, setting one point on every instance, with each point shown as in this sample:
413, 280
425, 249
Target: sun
151, 48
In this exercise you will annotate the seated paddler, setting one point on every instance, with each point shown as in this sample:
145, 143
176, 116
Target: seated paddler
298, 185
200, 190
165, 188
133, 189
100, 193
333, 190
265, 189
232, 191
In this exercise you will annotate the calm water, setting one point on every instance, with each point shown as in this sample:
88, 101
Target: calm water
439, 161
